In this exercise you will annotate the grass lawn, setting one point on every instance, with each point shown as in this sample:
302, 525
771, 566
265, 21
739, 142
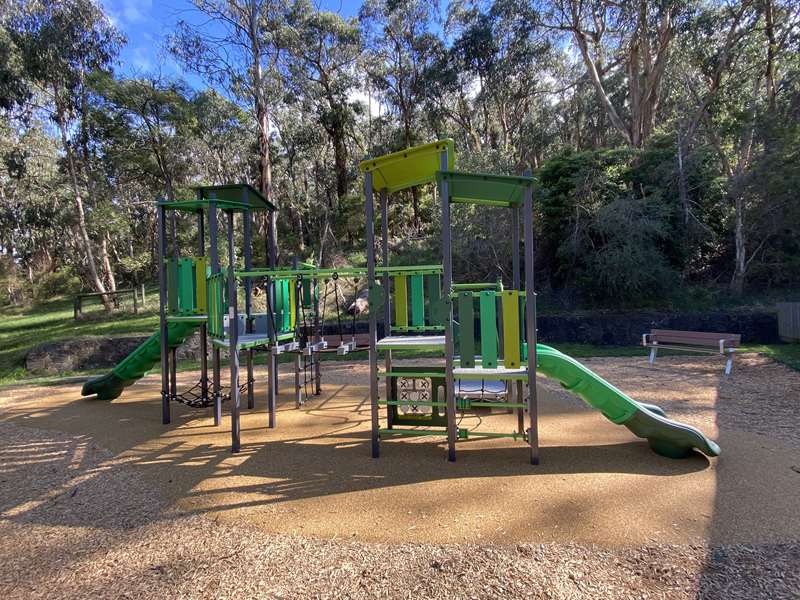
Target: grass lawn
21, 330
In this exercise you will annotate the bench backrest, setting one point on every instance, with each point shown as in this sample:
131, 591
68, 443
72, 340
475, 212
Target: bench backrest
695, 338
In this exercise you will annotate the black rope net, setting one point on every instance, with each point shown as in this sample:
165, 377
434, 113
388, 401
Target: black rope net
193, 397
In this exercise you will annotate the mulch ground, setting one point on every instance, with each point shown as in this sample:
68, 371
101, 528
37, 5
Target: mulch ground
95, 500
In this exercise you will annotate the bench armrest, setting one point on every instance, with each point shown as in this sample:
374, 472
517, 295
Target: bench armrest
647, 339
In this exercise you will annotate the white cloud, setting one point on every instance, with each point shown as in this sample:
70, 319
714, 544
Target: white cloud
361, 96
128, 12
136, 11
141, 59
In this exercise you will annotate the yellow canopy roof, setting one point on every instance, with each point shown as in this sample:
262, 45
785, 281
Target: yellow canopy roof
409, 167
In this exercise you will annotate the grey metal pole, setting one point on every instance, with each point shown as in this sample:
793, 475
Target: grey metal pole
387, 307
233, 337
317, 338
162, 313
530, 327
272, 359
173, 352
447, 285
213, 233
373, 317
515, 284
248, 297
201, 248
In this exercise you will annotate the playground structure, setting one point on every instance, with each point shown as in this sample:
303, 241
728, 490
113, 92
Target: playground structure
485, 333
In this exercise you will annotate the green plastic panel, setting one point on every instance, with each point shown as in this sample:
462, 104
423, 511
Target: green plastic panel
217, 304
481, 188
417, 301
307, 300
186, 285
172, 286
201, 280
287, 306
466, 330
400, 301
409, 167
432, 290
488, 316
377, 297
511, 339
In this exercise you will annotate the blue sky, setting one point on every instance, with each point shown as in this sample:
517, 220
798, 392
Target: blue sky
146, 24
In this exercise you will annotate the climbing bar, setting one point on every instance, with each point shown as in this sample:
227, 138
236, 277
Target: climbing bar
467, 403
465, 434
343, 272
410, 403
412, 374
412, 432
458, 287
476, 294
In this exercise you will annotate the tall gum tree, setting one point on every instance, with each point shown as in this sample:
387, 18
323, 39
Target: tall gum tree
236, 46
63, 43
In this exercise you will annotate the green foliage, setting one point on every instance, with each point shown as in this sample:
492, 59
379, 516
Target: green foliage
599, 233
63, 282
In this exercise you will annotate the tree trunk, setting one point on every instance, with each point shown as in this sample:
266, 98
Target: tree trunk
740, 260
80, 213
108, 270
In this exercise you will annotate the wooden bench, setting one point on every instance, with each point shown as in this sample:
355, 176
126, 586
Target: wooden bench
694, 341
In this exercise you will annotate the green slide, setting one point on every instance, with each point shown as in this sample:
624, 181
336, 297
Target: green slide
137, 363
666, 437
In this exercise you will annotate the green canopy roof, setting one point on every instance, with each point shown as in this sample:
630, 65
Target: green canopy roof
409, 167
236, 197
483, 188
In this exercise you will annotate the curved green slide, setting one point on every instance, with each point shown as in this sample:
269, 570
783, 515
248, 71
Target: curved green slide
137, 363
666, 437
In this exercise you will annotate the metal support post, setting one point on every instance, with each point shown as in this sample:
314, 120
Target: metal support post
373, 317
233, 337
162, 312
201, 248
248, 298
530, 326
387, 308
447, 284
213, 245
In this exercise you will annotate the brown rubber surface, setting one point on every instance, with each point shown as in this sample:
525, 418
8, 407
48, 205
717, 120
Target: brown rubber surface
596, 484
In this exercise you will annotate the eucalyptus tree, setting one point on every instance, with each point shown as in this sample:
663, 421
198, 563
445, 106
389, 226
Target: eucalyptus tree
221, 133
236, 44
402, 48
624, 47
510, 64
323, 50
147, 125
63, 43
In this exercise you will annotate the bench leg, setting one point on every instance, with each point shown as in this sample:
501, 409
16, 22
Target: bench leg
729, 365
653, 352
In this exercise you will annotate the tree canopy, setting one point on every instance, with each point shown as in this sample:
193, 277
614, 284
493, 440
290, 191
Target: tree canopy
664, 137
